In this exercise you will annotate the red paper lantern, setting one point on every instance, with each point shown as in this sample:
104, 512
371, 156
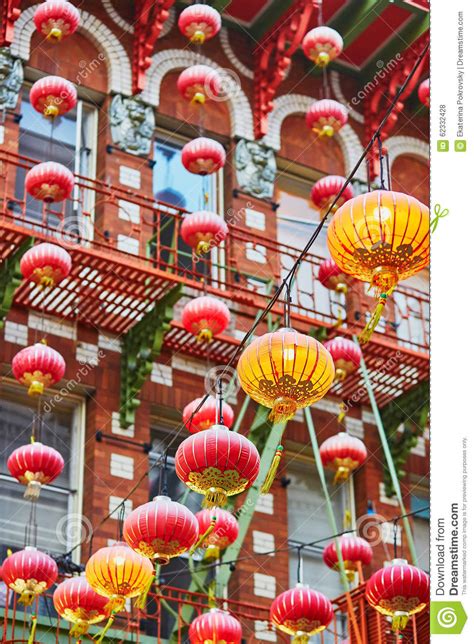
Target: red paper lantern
199, 82
325, 190
77, 602
35, 465
322, 44
301, 612
53, 96
199, 23
203, 230
343, 454
424, 92
49, 182
203, 156
355, 551
399, 591
346, 356
205, 417
37, 367
29, 573
46, 264
224, 533
215, 627
161, 529
205, 317
326, 117
217, 463
331, 276
56, 19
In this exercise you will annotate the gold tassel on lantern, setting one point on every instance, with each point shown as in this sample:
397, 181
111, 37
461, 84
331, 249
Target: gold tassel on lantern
400, 620
372, 324
204, 536
78, 630
140, 601
300, 638
31, 637
214, 497
268, 482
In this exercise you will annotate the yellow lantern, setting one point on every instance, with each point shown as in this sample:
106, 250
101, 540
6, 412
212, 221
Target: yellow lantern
381, 237
285, 370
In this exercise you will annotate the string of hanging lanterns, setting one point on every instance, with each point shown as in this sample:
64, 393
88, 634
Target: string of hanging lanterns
111, 572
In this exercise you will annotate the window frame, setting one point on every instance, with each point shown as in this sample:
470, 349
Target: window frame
76, 405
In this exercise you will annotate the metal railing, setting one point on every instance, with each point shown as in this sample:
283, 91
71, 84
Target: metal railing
245, 268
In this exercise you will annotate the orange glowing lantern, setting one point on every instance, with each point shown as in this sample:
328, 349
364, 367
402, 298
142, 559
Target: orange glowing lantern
381, 237
285, 370
117, 572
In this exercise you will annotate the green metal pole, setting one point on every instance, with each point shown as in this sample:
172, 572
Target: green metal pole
388, 456
329, 508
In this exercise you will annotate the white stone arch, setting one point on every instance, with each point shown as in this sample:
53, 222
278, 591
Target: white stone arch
299, 104
115, 57
169, 60
398, 145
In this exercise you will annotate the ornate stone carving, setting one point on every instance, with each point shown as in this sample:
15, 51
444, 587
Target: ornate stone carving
11, 79
256, 168
132, 123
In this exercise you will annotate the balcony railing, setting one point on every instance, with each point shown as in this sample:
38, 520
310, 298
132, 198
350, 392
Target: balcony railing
169, 609
117, 223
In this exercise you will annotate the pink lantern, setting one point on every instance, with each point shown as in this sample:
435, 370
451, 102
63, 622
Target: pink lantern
45, 264
346, 356
35, 465
199, 82
205, 417
325, 190
203, 230
322, 45
326, 117
224, 533
49, 182
331, 276
205, 317
37, 367
199, 23
53, 96
203, 156
56, 19
215, 627
424, 92
354, 550
343, 454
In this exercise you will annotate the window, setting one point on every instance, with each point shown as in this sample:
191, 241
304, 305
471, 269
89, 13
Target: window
296, 222
68, 140
174, 185
308, 522
59, 505
421, 528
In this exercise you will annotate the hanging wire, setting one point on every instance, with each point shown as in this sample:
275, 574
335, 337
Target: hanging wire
221, 402
299, 570
381, 161
395, 538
